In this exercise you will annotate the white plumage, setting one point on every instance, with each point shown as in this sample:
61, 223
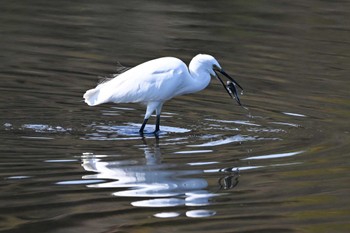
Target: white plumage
155, 82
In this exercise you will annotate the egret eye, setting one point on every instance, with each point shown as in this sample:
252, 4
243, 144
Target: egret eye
215, 67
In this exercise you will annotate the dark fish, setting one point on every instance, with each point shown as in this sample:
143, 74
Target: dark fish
230, 86
232, 90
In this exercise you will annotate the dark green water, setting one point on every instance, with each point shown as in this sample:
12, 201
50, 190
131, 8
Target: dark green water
282, 166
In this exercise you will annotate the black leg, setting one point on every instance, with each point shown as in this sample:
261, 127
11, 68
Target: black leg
143, 125
157, 124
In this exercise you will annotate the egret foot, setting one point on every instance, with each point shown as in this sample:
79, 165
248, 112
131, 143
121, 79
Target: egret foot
156, 134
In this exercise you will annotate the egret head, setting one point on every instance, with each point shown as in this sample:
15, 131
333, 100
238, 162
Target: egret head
206, 62
209, 64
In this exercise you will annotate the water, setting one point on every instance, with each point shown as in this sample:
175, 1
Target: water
280, 166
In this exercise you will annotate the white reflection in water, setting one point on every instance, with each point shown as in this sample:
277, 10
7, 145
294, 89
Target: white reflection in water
164, 185
167, 215
200, 213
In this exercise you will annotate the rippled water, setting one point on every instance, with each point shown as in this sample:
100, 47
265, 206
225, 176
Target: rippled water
280, 166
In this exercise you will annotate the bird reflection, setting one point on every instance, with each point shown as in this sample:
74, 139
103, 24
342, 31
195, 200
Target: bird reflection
160, 184
229, 181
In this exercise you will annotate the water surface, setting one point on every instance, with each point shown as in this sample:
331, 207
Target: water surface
281, 166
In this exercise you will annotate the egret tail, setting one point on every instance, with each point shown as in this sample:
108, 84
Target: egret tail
91, 97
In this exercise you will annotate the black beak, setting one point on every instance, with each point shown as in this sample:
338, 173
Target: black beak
227, 76
230, 87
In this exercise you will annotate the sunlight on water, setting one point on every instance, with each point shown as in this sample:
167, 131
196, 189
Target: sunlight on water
200, 213
164, 129
18, 177
193, 152
285, 123
37, 138
236, 138
45, 128
60, 160
282, 155
294, 114
167, 215
234, 122
78, 182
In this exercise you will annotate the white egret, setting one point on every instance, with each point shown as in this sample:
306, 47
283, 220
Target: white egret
159, 80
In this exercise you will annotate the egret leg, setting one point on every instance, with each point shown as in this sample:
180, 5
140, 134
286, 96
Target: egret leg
143, 125
158, 111
151, 106
157, 124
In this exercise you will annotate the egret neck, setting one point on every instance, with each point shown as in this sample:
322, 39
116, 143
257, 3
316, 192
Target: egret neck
197, 79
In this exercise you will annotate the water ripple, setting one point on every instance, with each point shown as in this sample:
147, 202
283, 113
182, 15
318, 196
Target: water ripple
236, 138
273, 156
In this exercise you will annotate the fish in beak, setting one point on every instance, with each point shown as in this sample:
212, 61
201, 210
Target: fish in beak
230, 86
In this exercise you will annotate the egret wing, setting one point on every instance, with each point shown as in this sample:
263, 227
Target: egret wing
155, 80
